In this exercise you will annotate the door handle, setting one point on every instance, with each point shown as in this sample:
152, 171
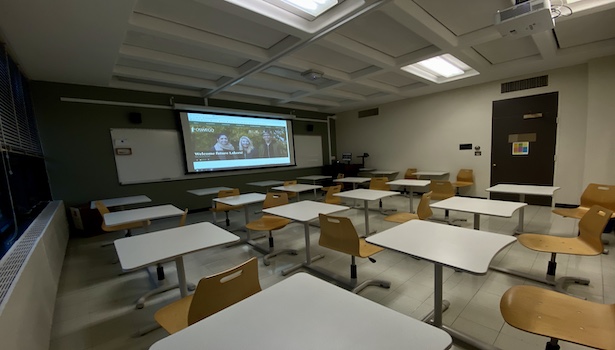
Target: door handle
494, 165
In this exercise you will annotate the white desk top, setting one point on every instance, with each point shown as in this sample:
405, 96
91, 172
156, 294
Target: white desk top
456, 247
524, 189
314, 177
479, 206
356, 180
266, 183
208, 191
409, 182
333, 319
366, 169
365, 194
141, 214
116, 202
144, 250
242, 199
297, 188
305, 210
384, 172
430, 173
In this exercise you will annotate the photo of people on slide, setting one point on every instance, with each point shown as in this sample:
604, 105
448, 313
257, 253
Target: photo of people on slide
217, 142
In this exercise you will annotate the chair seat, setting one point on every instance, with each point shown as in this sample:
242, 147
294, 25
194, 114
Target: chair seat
367, 249
402, 217
175, 318
551, 314
128, 226
554, 244
462, 184
576, 213
268, 223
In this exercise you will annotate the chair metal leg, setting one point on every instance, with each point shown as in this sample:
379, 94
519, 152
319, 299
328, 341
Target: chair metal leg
273, 253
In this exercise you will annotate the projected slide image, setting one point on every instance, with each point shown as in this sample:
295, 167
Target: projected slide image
225, 142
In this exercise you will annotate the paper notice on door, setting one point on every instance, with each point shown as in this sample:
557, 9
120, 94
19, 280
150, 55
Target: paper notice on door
520, 148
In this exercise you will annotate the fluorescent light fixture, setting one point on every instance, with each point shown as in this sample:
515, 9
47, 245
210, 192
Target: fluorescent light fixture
441, 69
313, 7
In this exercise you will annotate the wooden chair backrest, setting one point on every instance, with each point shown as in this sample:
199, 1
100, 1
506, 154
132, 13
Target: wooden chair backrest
596, 194
273, 199
182, 220
592, 225
330, 198
338, 233
217, 292
379, 183
340, 175
441, 189
102, 209
424, 210
410, 174
465, 175
290, 182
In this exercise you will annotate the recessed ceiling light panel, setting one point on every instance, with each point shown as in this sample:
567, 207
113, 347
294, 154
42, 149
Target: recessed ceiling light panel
441, 69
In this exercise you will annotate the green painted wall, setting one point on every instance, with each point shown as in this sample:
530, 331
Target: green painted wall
78, 152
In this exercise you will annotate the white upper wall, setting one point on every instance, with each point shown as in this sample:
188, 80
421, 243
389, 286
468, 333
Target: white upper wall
425, 132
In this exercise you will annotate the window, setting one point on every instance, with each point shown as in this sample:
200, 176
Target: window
24, 188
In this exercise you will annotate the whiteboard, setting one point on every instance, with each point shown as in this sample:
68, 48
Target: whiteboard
155, 155
147, 155
308, 151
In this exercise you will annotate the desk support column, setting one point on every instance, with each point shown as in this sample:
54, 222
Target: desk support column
521, 214
437, 317
476, 221
181, 276
410, 194
308, 256
366, 204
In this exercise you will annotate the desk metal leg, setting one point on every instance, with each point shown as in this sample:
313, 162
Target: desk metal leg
308, 256
411, 194
181, 276
437, 317
476, 221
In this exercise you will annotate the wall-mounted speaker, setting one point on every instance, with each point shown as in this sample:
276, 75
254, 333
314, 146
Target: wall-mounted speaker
135, 118
310, 127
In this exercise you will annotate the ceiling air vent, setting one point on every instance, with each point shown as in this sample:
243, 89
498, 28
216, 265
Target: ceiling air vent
368, 113
525, 84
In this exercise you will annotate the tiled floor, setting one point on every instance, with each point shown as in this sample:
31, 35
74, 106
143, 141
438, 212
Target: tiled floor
95, 307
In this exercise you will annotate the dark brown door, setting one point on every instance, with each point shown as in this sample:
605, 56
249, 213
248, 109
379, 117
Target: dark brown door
523, 143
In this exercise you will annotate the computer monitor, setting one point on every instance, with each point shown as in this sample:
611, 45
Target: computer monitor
347, 157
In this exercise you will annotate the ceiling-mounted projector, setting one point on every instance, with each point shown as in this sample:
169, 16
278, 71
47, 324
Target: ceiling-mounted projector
524, 19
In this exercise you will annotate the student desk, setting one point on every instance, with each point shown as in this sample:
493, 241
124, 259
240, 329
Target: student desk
267, 184
314, 178
298, 188
408, 184
303, 212
209, 191
522, 190
444, 245
306, 313
141, 214
478, 206
366, 195
353, 180
430, 173
172, 244
244, 200
386, 173
121, 201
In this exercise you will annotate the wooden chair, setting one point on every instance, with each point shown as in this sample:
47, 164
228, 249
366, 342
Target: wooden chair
221, 207
587, 243
558, 316
423, 211
594, 194
213, 294
338, 233
269, 222
182, 220
339, 176
330, 198
410, 174
442, 189
380, 183
465, 178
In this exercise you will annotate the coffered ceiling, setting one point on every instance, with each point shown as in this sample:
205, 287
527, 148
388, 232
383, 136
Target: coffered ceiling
218, 49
